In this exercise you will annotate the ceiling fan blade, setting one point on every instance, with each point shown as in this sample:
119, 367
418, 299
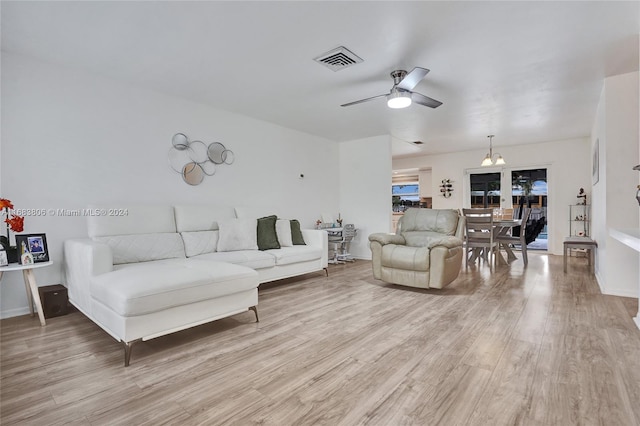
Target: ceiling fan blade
363, 100
412, 79
425, 100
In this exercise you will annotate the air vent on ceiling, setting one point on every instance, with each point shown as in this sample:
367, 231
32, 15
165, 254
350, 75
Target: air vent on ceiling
338, 59
417, 143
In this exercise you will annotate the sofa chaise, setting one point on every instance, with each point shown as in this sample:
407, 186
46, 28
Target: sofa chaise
154, 270
425, 252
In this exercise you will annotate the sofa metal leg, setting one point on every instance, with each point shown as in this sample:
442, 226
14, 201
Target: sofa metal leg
127, 350
326, 271
255, 311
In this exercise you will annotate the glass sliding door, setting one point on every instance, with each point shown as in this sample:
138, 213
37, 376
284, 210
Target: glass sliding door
529, 189
485, 190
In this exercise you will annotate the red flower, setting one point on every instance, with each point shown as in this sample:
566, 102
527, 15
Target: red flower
5, 204
16, 223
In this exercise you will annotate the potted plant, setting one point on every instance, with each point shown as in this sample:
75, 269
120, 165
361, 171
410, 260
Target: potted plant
14, 223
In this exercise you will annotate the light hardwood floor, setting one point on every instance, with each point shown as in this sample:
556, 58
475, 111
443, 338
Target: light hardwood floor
528, 346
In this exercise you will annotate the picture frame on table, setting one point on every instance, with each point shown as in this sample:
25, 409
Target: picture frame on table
32, 248
4, 260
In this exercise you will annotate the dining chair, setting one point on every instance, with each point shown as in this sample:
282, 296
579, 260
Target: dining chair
479, 234
340, 242
520, 238
507, 213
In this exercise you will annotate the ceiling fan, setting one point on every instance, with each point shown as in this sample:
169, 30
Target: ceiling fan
400, 95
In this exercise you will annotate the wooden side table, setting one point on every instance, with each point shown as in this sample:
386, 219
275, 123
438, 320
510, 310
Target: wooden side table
30, 284
580, 243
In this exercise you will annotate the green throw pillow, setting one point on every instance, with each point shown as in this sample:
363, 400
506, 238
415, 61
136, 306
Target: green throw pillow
296, 234
267, 237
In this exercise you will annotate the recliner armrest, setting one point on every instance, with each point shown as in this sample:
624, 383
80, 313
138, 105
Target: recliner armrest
447, 241
384, 239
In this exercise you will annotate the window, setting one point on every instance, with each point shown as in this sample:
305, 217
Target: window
485, 190
404, 195
407, 192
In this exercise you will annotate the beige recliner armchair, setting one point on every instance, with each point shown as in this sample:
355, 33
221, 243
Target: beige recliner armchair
425, 252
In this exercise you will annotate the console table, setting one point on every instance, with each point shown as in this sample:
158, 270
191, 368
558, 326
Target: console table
580, 243
30, 284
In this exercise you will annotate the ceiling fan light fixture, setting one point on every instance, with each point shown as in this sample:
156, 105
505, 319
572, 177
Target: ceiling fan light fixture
401, 94
397, 99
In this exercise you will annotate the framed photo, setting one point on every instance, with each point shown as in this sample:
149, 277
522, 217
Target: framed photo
4, 261
595, 171
32, 248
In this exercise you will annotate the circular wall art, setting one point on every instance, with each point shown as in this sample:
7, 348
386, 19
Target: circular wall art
194, 159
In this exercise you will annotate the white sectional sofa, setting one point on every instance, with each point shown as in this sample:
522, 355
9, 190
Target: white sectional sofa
154, 270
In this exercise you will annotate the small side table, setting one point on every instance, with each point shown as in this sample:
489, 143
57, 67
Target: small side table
29, 284
580, 243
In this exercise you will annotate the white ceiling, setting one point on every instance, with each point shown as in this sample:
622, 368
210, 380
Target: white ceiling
524, 71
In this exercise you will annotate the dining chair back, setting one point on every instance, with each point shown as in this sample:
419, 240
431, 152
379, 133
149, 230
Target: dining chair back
519, 238
507, 213
479, 235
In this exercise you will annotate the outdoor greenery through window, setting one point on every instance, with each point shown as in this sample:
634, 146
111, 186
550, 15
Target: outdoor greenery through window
529, 188
405, 195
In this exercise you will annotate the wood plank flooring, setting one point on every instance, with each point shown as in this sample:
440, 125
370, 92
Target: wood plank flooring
520, 346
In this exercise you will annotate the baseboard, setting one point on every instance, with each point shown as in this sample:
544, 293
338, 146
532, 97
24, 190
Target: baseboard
614, 291
621, 293
362, 257
10, 313
600, 282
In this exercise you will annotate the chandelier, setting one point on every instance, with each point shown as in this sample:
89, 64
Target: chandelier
488, 160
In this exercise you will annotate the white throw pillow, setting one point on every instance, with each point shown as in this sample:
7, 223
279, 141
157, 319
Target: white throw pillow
238, 234
200, 242
283, 230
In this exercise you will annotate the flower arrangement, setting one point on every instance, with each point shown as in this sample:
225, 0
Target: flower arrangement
14, 223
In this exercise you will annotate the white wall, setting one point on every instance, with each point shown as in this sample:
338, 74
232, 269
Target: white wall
568, 164
599, 190
426, 183
365, 189
70, 138
616, 128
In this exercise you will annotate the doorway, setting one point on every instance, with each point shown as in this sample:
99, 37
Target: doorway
529, 189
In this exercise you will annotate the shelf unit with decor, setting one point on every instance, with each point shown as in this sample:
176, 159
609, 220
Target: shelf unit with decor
579, 220
579, 225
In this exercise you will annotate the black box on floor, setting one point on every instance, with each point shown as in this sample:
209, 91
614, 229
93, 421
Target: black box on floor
54, 300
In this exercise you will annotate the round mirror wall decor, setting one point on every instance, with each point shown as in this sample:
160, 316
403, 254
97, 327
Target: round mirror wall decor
208, 168
198, 152
215, 152
178, 158
192, 174
194, 159
228, 156
180, 141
